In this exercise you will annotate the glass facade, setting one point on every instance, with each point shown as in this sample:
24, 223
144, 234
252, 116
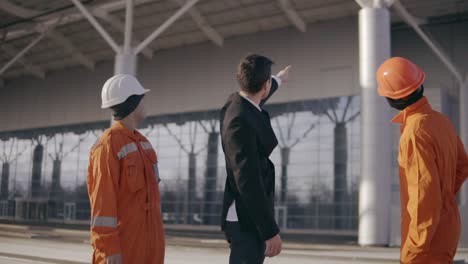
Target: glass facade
317, 162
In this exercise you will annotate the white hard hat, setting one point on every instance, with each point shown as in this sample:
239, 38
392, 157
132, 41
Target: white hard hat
118, 88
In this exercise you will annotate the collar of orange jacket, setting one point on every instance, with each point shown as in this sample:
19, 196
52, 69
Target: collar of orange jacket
135, 135
420, 106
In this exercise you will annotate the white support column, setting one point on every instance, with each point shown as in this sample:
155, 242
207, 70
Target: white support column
125, 59
376, 130
125, 63
464, 137
128, 26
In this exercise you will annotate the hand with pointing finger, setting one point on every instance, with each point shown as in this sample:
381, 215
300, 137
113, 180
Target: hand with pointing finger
283, 75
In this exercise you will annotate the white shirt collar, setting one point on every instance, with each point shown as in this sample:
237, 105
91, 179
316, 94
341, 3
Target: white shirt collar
252, 102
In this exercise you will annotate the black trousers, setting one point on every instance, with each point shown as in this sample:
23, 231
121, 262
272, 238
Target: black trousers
246, 247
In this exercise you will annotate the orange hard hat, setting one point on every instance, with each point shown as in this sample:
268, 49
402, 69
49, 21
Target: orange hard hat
399, 78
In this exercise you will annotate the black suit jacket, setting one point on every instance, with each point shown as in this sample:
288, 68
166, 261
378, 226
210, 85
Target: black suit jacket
248, 140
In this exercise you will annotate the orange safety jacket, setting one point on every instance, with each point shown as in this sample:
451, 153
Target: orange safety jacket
125, 201
433, 166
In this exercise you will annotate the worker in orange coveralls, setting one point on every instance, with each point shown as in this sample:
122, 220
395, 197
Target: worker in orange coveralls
126, 224
433, 166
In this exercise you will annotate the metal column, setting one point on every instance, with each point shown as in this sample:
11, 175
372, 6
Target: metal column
376, 130
126, 58
125, 63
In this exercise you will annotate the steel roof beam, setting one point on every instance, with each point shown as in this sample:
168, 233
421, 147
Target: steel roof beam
17, 10
293, 15
119, 25
71, 49
189, 4
203, 24
18, 57
70, 18
438, 51
97, 26
54, 35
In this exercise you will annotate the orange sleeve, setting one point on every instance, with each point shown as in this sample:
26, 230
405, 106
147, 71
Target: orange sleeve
425, 199
103, 179
462, 166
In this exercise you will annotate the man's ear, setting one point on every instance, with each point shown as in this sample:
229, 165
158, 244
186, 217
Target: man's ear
266, 85
264, 88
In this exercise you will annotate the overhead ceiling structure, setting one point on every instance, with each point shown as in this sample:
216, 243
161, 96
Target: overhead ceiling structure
59, 35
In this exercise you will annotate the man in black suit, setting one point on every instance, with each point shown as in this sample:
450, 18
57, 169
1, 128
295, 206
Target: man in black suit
248, 216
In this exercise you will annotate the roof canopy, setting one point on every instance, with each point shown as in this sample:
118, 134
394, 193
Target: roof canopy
73, 41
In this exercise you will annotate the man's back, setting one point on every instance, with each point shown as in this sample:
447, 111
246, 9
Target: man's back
125, 200
241, 123
429, 151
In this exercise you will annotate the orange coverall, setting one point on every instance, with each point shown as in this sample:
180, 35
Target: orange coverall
433, 166
125, 201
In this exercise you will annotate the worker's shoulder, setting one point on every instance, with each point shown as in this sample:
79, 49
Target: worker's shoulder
235, 119
110, 138
232, 112
431, 124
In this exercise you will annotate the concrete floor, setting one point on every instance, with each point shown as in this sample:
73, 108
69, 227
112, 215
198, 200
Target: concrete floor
12, 260
22, 251
16, 250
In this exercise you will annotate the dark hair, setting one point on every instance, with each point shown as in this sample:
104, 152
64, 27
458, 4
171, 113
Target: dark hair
124, 109
253, 71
